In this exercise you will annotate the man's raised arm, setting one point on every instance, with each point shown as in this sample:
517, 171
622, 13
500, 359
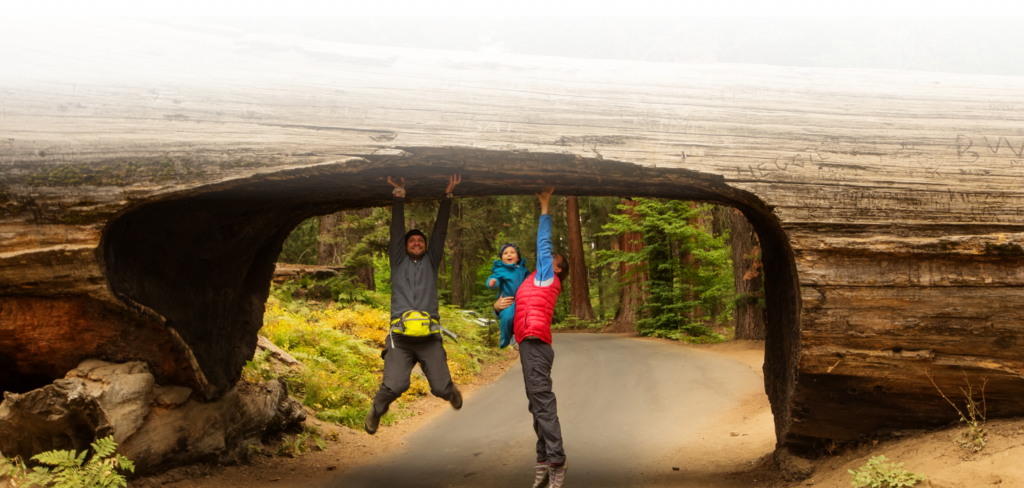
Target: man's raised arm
396, 245
440, 233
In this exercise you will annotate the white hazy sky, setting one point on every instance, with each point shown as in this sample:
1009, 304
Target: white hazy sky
547, 8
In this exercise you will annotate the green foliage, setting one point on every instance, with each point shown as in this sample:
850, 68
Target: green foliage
339, 289
709, 338
303, 442
367, 238
258, 369
573, 323
70, 469
301, 245
688, 271
880, 473
488, 223
339, 346
353, 417
314, 436
13, 468
251, 451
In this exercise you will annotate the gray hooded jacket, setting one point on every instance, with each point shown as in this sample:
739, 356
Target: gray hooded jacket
414, 282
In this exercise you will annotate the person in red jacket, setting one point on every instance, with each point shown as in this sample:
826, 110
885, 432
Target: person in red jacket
535, 308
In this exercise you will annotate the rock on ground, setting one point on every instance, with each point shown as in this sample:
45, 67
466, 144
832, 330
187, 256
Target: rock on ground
156, 426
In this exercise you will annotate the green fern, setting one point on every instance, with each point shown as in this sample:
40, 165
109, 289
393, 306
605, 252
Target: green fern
68, 469
299, 445
11, 468
880, 473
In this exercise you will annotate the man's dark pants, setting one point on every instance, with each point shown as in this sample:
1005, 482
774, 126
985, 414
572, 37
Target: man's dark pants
537, 357
398, 364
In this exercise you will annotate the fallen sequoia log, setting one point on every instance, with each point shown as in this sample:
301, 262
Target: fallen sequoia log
149, 178
285, 272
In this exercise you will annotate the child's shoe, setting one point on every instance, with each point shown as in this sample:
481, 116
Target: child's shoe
540, 478
556, 475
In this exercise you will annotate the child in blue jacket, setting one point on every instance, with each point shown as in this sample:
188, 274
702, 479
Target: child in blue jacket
507, 274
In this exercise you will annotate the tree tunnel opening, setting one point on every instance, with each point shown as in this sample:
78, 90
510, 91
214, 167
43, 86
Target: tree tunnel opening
200, 262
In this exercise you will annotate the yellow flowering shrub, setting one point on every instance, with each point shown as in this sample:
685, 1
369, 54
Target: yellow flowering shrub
339, 347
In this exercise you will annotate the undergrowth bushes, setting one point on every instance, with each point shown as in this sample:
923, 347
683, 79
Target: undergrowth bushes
339, 344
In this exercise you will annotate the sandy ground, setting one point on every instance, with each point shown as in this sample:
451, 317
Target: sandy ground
934, 455
929, 452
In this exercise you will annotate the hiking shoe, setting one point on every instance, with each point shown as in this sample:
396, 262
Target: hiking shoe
372, 421
456, 400
540, 477
557, 475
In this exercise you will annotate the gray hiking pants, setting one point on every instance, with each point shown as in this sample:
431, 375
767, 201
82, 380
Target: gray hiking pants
537, 357
398, 364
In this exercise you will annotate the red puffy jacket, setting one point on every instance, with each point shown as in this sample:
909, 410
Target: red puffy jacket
535, 307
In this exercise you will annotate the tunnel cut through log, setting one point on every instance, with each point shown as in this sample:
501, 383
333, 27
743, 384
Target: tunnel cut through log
203, 261
899, 193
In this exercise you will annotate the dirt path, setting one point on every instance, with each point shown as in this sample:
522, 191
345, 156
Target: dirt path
631, 410
708, 416
350, 448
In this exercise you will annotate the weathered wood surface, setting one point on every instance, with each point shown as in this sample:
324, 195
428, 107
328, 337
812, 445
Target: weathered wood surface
154, 172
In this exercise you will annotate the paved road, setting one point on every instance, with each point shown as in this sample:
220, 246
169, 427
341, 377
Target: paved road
623, 403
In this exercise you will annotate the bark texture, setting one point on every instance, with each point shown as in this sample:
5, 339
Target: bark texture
749, 316
630, 277
579, 282
149, 177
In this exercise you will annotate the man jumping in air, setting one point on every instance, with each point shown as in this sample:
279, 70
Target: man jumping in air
535, 308
415, 332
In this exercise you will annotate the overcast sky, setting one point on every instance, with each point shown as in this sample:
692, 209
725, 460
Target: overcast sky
984, 37
568, 8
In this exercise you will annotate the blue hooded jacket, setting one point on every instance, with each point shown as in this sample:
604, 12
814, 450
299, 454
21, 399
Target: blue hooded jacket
507, 279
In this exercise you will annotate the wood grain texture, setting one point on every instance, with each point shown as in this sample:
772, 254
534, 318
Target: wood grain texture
889, 204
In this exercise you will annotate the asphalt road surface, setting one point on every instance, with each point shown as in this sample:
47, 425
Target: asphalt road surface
622, 402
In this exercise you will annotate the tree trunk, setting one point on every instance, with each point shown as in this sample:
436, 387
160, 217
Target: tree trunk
579, 297
747, 275
327, 243
629, 276
455, 238
338, 239
364, 274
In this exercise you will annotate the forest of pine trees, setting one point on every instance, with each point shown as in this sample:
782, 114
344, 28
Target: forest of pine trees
666, 268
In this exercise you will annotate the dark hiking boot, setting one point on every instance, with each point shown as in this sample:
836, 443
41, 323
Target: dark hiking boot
372, 421
456, 399
541, 473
